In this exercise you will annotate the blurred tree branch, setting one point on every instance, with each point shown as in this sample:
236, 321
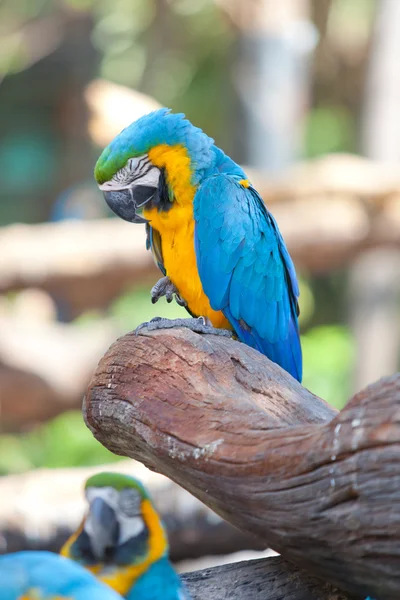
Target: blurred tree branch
45, 367
329, 211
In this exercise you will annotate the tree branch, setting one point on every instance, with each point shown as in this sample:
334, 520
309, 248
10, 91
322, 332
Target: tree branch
45, 368
83, 270
265, 579
259, 449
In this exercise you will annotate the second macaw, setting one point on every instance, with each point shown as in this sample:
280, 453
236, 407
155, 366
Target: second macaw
219, 248
122, 541
40, 575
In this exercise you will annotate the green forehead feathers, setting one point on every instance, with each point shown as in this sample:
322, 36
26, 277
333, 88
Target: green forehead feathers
158, 127
117, 481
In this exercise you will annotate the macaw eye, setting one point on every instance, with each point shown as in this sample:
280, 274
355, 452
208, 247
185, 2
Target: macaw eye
129, 502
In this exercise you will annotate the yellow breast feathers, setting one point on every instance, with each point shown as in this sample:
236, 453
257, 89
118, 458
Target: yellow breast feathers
176, 227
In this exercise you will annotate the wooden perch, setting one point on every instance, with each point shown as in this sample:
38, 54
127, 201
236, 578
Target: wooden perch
266, 579
240, 434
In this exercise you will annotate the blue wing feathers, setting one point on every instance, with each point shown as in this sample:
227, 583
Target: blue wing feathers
51, 575
159, 581
289, 266
246, 270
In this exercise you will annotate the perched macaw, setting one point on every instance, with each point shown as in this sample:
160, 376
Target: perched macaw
47, 576
122, 541
213, 238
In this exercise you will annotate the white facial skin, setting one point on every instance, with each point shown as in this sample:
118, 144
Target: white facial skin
137, 171
126, 506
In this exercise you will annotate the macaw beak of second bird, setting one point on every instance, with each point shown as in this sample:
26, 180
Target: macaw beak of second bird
104, 521
124, 203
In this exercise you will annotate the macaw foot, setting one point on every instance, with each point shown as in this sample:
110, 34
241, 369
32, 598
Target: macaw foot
199, 325
165, 287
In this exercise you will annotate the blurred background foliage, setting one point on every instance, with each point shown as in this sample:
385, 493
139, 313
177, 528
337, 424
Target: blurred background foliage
185, 54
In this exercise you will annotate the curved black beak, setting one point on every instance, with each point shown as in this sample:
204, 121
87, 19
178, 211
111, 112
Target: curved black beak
104, 530
125, 203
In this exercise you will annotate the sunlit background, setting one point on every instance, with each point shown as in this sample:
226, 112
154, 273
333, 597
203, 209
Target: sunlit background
282, 86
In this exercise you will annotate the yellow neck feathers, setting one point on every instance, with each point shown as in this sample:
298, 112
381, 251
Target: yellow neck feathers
66, 549
176, 162
176, 227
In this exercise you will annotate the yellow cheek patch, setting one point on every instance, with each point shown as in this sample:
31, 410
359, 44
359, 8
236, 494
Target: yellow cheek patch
176, 162
245, 183
123, 578
176, 227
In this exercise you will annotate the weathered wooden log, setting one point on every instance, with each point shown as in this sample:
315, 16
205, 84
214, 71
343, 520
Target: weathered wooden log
265, 579
40, 509
263, 452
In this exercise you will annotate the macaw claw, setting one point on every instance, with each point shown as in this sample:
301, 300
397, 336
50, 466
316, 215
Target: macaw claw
199, 325
165, 287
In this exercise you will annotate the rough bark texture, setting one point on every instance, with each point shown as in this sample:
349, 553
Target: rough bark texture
265, 579
263, 452
50, 506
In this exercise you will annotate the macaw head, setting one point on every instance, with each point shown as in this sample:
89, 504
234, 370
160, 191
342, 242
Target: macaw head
137, 168
121, 528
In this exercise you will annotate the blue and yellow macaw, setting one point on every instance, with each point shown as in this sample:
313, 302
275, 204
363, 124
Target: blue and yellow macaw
216, 243
122, 541
47, 576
